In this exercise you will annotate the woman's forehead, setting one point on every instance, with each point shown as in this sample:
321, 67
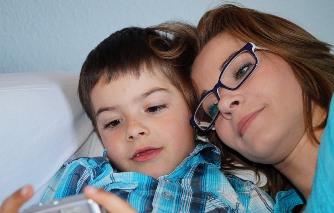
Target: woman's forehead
207, 65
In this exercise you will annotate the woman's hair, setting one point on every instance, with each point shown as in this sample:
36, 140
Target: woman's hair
311, 61
126, 52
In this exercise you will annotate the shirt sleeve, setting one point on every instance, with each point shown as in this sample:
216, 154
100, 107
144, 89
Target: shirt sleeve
72, 177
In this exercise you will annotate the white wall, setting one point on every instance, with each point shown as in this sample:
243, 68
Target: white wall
57, 35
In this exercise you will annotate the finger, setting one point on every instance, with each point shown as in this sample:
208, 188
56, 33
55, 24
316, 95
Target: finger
14, 202
112, 203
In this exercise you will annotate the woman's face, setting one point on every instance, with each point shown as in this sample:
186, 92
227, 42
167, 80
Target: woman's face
263, 119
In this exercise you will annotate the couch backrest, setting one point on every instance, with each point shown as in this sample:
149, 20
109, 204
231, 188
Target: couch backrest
42, 124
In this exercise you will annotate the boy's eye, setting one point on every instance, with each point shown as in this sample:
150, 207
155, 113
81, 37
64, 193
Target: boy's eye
113, 124
156, 108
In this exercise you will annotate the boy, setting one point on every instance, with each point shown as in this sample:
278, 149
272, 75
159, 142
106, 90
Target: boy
140, 104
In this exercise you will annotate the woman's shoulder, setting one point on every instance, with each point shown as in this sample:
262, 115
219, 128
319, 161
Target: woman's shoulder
286, 201
323, 183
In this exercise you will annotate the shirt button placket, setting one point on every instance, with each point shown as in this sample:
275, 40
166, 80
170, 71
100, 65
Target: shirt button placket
167, 195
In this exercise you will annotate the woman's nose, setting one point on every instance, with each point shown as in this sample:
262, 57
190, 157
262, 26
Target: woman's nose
229, 102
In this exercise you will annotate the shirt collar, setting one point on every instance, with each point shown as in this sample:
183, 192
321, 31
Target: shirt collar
203, 153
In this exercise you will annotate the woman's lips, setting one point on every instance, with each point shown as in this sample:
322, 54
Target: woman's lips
145, 154
245, 122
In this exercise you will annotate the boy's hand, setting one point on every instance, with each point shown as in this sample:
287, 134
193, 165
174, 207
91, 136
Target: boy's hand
112, 203
14, 202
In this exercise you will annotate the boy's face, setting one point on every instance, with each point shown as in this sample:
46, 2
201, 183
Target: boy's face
143, 123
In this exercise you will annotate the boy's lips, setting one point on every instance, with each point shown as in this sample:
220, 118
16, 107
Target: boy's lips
145, 154
245, 121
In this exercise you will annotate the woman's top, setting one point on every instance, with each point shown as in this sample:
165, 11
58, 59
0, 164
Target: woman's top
322, 195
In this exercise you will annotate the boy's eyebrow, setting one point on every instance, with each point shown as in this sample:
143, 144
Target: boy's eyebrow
103, 109
148, 93
144, 95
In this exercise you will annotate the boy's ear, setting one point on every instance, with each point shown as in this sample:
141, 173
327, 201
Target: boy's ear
105, 153
99, 136
97, 133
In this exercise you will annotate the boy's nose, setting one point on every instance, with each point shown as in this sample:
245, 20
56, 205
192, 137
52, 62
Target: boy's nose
132, 137
135, 130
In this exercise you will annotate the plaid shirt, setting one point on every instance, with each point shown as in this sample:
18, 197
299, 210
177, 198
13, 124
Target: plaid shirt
196, 185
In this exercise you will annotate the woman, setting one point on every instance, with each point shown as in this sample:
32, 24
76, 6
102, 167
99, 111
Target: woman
271, 102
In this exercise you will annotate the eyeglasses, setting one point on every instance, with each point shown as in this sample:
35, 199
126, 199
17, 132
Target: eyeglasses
233, 74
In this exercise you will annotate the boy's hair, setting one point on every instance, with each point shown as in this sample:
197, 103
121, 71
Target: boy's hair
126, 52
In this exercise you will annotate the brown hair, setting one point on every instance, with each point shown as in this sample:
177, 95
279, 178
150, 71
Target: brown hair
125, 52
310, 59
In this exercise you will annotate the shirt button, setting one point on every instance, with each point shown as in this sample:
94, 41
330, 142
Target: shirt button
167, 195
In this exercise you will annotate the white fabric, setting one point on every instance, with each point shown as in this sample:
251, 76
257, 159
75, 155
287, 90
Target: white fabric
42, 124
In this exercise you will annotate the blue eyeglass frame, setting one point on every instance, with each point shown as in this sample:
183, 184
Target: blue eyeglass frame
250, 47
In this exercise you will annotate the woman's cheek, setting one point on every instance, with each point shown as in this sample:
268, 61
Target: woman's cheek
224, 132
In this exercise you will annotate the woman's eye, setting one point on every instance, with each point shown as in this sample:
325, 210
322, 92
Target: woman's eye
242, 71
113, 124
156, 108
213, 110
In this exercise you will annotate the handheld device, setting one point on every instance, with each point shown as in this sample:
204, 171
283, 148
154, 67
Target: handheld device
72, 204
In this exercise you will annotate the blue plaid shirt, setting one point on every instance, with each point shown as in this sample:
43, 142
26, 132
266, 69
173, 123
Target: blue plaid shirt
196, 185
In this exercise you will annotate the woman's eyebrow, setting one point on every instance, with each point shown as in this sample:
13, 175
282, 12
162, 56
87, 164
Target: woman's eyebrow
227, 60
220, 69
203, 94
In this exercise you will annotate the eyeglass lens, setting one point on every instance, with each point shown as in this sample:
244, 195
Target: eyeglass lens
207, 111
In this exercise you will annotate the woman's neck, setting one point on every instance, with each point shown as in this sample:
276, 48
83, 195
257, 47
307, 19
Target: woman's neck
299, 167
